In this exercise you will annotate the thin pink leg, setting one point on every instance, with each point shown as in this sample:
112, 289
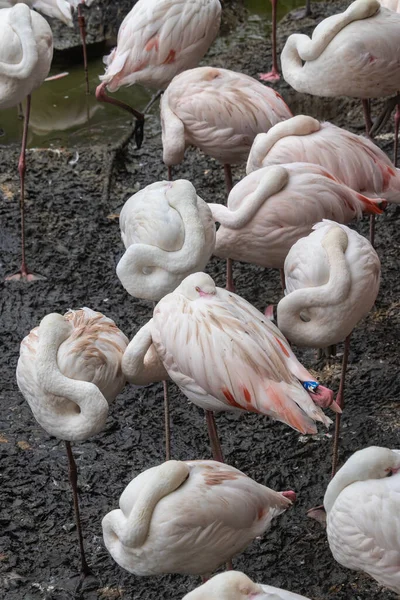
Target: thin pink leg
340, 402
23, 274
273, 75
396, 133
283, 282
367, 116
372, 230
169, 173
167, 421
213, 435
82, 29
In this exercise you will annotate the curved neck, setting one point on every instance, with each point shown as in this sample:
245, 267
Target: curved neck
171, 266
140, 363
272, 181
91, 417
332, 293
167, 478
346, 475
21, 22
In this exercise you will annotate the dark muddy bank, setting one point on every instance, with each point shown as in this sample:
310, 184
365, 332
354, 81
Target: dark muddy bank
73, 239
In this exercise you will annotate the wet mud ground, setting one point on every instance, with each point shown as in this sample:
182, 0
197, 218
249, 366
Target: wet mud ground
73, 239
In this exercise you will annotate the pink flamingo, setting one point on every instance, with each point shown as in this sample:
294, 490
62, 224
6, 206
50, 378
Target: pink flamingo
157, 40
189, 517
332, 280
220, 112
26, 51
353, 159
355, 53
271, 208
225, 355
234, 585
69, 370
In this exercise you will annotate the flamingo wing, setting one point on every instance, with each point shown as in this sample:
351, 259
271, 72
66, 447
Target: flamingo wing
364, 529
225, 350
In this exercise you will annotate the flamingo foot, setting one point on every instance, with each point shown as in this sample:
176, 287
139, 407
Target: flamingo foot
290, 495
318, 513
87, 580
271, 76
24, 275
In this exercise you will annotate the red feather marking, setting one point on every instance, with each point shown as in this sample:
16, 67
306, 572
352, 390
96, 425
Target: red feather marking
152, 43
247, 395
282, 347
170, 58
230, 398
369, 206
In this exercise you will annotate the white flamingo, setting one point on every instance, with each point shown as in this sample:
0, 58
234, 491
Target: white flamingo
332, 280
69, 370
189, 517
157, 40
26, 51
362, 507
225, 355
234, 585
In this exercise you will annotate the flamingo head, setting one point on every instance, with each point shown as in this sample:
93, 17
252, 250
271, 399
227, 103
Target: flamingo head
231, 585
197, 285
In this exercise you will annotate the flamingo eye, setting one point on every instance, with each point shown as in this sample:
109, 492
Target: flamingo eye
197, 288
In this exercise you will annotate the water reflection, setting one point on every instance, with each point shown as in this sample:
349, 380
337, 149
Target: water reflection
62, 114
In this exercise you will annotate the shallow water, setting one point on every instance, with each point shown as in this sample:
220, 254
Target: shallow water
63, 115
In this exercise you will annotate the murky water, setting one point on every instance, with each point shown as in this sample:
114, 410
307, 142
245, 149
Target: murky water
63, 115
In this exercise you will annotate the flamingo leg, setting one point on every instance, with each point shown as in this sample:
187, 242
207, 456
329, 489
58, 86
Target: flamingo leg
396, 132
169, 173
273, 75
368, 126
82, 29
340, 402
73, 479
23, 274
283, 282
102, 96
230, 286
167, 421
306, 12
213, 435
152, 100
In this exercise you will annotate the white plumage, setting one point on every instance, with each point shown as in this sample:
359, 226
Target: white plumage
188, 517
69, 370
168, 232
330, 286
363, 515
354, 159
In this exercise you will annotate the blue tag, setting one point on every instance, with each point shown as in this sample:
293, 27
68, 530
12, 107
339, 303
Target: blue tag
310, 386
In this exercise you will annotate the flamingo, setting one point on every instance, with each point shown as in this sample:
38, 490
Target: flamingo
26, 51
353, 159
168, 233
220, 112
271, 208
362, 505
332, 280
157, 40
189, 517
355, 53
69, 370
224, 355
61, 10
234, 585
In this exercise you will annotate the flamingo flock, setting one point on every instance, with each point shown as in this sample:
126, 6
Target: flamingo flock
306, 182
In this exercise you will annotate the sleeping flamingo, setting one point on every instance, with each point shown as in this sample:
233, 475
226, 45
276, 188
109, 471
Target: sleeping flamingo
224, 354
168, 233
233, 585
355, 53
69, 370
157, 40
189, 517
362, 505
353, 159
273, 207
332, 280
26, 51
220, 112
